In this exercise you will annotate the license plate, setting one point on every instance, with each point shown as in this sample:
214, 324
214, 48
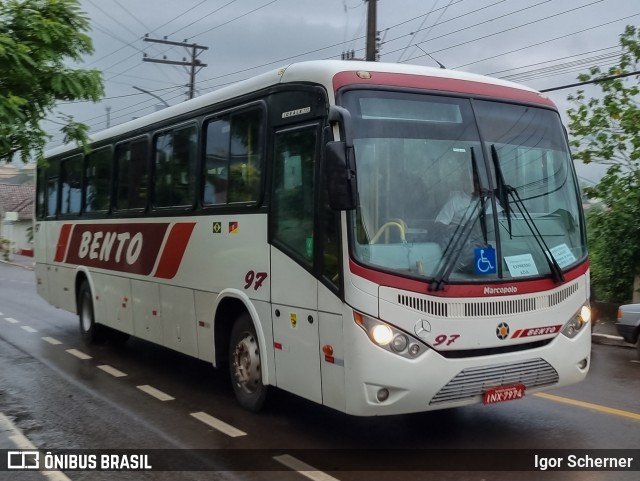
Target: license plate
504, 393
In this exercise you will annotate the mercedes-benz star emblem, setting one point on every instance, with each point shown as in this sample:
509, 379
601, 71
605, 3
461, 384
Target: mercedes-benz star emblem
422, 328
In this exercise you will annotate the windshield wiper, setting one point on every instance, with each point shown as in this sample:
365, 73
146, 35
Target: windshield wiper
456, 244
503, 191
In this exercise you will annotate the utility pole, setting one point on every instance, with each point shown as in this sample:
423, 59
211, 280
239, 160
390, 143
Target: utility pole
372, 34
194, 63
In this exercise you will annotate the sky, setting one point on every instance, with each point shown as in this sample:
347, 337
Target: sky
539, 43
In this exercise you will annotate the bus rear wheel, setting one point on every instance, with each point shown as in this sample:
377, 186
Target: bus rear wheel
245, 366
90, 332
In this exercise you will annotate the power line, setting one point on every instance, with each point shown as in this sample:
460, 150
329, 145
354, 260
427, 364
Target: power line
594, 81
507, 29
550, 40
236, 18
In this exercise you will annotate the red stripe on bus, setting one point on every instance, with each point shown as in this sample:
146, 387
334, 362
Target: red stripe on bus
173, 251
469, 87
63, 242
464, 290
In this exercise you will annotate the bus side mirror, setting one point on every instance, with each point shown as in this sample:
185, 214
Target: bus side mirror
340, 175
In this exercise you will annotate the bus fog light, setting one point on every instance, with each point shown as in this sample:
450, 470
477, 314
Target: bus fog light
583, 364
382, 334
382, 395
399, 343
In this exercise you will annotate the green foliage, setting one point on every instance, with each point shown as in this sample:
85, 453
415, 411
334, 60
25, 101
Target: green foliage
37, 37
614, 238
606, 130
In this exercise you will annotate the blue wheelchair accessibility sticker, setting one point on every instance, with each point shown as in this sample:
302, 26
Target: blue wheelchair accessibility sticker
485, 260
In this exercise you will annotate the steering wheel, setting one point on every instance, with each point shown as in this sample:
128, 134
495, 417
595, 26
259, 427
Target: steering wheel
397, 223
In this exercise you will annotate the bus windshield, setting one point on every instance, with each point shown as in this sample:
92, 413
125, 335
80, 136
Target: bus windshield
462, 190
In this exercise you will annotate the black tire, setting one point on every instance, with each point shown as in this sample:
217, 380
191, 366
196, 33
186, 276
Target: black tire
90, 332
245, 366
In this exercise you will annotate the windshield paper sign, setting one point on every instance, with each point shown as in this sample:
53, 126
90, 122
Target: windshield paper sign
521, 266
563, 255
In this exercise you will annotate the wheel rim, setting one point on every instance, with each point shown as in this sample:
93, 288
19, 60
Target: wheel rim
246, 363
85, 314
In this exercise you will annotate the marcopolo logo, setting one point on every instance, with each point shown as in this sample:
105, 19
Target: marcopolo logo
500, 290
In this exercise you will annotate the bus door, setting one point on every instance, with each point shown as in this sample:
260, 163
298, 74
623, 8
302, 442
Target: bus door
294, 286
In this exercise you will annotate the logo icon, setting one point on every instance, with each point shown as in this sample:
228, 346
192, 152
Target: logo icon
422, 328
217, 227
233, 227
502, 331
23, 460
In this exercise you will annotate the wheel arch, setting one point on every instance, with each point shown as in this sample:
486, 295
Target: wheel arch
230, 304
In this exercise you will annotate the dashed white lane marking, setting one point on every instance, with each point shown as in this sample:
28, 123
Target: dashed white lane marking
112, 370
78, 354
156, 393
29, 329
22, 442
11, 320
221, 426
51, 340
303, 468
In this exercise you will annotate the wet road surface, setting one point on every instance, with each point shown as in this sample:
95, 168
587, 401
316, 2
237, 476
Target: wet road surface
63, 395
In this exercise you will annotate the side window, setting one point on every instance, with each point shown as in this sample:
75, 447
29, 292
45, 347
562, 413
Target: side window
329, 238
132, 175
52, 195
97, 192
175, 167
71, 180
217, 162
41, 193
293, 191
246, 156
234, 153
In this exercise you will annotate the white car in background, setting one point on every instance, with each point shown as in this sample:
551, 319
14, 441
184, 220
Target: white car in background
628, 324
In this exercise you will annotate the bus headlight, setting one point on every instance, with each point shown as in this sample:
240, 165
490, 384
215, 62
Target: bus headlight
389, 338
578, 321
382, 334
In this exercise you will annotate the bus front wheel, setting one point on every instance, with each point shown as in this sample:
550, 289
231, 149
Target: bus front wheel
91, 332
245, 366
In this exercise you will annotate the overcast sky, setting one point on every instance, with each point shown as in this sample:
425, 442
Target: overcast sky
540, 43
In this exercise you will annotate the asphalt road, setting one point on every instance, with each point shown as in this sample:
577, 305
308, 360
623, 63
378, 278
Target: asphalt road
59, 394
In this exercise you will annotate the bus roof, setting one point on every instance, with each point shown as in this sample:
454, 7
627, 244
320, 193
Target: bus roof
324, 72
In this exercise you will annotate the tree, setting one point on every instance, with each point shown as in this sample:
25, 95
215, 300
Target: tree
37, 38
606, 130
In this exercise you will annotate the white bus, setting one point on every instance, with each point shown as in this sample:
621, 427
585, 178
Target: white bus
377, 238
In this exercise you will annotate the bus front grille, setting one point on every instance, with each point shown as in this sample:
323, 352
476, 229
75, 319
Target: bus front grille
472, 382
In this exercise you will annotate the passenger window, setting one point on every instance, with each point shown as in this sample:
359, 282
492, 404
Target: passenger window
52, 195
132, 175
234, 153
98, 180
71, 180
217, 162
175, 167
293, 199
